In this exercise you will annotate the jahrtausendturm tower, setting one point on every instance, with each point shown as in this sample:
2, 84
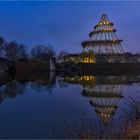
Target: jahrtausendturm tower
103, 39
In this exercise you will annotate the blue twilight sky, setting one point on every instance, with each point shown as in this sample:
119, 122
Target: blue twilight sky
64, 25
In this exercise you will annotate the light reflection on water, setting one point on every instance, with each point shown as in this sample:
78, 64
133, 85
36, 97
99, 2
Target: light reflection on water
43, 105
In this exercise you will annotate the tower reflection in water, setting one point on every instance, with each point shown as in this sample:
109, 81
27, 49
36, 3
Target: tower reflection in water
104, 96
103, 92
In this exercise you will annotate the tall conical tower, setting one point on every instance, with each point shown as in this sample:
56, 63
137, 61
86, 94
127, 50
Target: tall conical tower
103, 39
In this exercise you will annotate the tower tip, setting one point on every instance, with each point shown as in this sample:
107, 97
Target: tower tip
104, 17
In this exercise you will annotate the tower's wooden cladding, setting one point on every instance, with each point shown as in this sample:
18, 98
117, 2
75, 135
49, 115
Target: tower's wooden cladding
103, 39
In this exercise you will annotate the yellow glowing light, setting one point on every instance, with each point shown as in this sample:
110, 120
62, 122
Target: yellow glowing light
87, 78
108, 29
88, 60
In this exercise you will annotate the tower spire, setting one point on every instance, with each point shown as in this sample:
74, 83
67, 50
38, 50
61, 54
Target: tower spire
104, 18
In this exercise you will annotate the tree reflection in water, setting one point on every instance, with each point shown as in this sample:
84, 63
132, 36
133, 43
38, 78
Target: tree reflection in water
43, 81
11, 86
11, 89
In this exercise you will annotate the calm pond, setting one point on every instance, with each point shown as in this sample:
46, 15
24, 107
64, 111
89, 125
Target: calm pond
46, 105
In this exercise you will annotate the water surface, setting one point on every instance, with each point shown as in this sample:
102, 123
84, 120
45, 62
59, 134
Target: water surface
43, 105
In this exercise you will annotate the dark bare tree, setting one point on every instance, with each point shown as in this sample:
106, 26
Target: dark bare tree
41, 52
62, 54
11, 50
21, 52
2, 44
